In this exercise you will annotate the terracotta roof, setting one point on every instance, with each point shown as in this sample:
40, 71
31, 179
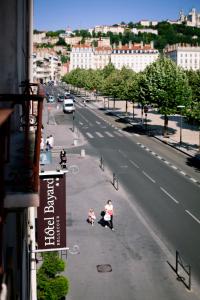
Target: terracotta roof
82, 46
103, 48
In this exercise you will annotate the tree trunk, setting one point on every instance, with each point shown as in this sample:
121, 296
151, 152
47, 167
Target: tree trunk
126, 106
165, 132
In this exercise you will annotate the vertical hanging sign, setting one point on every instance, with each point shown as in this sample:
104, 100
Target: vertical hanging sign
51, 213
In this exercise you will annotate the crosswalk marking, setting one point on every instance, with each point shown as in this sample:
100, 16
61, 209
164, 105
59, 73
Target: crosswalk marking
109, 134
89, 135
118, 133
99, 134
98, 122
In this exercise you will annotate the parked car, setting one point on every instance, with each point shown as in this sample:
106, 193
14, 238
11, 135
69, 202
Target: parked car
51, 99
60, 98
68, 106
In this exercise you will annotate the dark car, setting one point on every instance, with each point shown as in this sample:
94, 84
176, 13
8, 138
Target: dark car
60, 98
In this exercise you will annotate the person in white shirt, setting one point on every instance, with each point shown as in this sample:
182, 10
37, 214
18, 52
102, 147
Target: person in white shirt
51, 141
109, 211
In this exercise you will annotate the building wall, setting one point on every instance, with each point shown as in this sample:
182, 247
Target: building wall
14, 52
135, 57
185, 56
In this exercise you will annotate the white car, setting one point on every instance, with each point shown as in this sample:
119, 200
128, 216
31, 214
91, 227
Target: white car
68, 106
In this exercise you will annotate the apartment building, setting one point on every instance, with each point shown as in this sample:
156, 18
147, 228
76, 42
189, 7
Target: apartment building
132, 56
46, 65
101, 58
105, 29
184, 55
148, 23
81, 56
145, 30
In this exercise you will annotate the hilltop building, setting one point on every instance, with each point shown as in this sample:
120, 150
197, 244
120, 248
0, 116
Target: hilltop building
192, 19
184, 55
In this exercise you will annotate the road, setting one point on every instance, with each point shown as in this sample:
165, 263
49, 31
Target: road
166, 196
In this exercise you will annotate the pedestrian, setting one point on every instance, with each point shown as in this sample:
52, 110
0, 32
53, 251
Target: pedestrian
91, 216
108, 217
42, 144
48, 147
63, 158
51, 141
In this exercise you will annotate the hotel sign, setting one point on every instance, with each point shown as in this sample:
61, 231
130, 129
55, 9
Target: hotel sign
51, 213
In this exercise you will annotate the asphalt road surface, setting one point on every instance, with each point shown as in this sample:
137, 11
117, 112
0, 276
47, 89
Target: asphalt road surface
167, 197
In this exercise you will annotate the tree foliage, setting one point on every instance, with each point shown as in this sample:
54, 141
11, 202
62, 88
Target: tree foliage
50, 285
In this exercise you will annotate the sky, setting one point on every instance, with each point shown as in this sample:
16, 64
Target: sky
53, 15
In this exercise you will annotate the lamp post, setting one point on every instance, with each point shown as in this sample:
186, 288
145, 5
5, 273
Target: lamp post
181, 121
73, 118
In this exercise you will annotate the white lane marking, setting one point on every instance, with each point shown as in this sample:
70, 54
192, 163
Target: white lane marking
149, 177
118, 133
123, 154
98, 122
166, 162
192, 179
153, 153
191, 215
159, 157
82, 117
89, 135
170, 196
99, 134
136, 134
81, 123
147, 149
109, 134
183, 173
133, 163
174, 167
127, 133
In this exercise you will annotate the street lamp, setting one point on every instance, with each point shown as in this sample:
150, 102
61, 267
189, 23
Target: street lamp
73, 120
181, 106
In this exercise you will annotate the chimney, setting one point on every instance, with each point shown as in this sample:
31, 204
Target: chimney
141, 44
120, 44
114, 45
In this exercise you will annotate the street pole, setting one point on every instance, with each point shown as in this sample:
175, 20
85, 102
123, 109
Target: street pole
73, 121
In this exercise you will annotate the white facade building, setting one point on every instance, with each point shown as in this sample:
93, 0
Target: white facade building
145, 30
185, 56
133, 56
81, 56
106, 28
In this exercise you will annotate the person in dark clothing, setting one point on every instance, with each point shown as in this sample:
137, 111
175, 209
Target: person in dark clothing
63, 158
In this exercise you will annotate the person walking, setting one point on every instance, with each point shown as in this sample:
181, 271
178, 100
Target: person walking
63, 158
108, 217
91, 216
51, 141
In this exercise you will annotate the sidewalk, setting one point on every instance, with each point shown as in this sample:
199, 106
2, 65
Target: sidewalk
134, 262
155, 123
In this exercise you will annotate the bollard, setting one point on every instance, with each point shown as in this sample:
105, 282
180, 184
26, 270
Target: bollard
82, 152
75, 142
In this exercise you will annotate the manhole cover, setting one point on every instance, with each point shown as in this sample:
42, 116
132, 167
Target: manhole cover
104, 268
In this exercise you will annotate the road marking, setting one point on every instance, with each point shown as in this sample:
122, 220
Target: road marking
183, 173
159, 157
166, 162
148, 176
109, 134
133, 163
81, 123
174, 167
191, 215
123, 154
118, 133
99, 134
98, 122
170, 196
136, 134
192, 179
89, 135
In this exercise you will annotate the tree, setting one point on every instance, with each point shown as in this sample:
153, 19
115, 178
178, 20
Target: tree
50, 285
168, 87
194, 81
